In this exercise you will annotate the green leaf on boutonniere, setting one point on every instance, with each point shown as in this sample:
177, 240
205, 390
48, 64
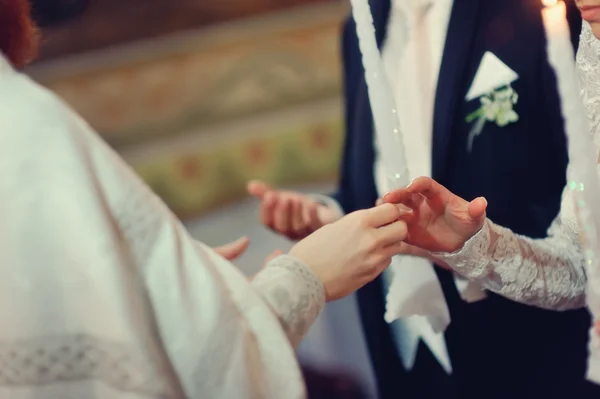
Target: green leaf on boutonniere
496, 106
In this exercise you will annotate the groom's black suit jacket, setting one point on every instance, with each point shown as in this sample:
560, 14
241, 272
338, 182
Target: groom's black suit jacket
498, 348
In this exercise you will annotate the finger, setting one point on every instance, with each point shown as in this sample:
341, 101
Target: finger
283, 214
297, 217
268, 208
476, 208
382, 215
380, 267
404, 199
392, 233
234, 249
413, 201
379, 202
258, 188
431, 189
398, 196
385, 254
314, 221
397, 248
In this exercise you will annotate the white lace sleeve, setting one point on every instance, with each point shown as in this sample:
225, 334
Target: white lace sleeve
294, 294
550, 272
588, 65
547, 273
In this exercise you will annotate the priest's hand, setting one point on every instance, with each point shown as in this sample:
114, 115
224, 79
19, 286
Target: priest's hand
289, 213
351, 252
411, 250
234, 249
438, 220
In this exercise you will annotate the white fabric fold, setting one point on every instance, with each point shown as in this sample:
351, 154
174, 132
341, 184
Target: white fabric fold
469, 291
415, 304
416, 290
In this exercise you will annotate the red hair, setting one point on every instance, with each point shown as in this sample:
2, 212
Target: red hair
18, 33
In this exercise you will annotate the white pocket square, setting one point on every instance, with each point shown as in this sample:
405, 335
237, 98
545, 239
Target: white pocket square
491, 74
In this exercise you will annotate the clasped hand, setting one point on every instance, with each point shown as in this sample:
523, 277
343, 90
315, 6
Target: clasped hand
347, 252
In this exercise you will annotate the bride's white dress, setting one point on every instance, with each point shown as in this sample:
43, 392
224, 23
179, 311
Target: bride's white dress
550, 272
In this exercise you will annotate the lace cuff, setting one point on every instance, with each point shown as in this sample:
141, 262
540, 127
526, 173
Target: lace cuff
293, 292
472, 259
548, 273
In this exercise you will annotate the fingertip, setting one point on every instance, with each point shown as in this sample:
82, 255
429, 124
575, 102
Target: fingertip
414, 183
392, 197
389, 207
477, 208
252, 186
242, 242
482, 203
257, 188
418, 184
384, 214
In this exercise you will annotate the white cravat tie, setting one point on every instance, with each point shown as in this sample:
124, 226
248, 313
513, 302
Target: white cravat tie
415, 294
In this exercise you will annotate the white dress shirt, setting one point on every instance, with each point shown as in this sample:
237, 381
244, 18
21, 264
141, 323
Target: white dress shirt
412, 55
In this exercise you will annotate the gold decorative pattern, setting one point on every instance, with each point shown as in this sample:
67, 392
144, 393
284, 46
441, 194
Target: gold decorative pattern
198, 180
196, 83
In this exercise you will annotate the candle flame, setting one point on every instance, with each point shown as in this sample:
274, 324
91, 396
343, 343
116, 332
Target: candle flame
549, 3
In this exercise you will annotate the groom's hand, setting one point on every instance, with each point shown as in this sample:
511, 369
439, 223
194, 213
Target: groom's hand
289, 213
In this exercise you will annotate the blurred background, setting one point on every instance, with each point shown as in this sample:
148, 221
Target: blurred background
200, 96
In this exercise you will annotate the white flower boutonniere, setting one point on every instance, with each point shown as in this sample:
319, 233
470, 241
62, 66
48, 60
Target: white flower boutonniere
496, 106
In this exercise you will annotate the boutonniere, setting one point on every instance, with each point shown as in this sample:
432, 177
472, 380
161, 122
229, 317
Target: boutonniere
497, 106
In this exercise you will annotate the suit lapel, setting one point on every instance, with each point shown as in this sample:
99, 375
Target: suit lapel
461, 32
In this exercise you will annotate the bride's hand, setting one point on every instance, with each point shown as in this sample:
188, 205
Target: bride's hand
347, 254
438, 220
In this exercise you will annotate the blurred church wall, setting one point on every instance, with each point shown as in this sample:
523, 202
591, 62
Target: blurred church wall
200, 96
199, 112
